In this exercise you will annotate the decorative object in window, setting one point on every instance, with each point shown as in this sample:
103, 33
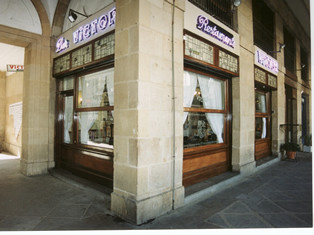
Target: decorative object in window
62, 64
272, 81
82, 56
104, 47
260, 75
228, 62
199, 50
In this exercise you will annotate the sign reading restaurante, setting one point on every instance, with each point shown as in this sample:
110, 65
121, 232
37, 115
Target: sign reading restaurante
208, 27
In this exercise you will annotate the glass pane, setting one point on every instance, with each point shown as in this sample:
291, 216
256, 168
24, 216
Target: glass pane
203, 129
96, 128
260, 128
260, 102
68, 120
212, 90
96, 89
67, 84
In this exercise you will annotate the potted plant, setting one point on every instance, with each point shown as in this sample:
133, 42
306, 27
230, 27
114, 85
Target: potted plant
290, 148
307, 144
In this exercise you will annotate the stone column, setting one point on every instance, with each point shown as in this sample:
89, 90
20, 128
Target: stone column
36, 157
278, 96
243, 96
143, 142
2, 107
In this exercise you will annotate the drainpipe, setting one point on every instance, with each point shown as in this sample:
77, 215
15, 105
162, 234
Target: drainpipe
173, 110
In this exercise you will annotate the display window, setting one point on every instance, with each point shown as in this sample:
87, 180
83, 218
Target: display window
206, 128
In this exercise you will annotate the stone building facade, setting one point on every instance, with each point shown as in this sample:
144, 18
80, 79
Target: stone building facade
150, 98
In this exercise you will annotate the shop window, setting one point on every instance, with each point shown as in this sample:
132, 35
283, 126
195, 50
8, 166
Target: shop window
261, 116
88, 109
263, 26
205, 110
304, 65
219, 9
289, 54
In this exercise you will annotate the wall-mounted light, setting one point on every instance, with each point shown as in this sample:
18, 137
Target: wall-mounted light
281, 46
302, 67
237, 3
73, 15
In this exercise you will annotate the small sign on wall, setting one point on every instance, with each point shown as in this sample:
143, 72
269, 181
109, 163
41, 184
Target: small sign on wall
15, 68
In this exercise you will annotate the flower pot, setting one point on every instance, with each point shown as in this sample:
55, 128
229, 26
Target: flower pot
291, 155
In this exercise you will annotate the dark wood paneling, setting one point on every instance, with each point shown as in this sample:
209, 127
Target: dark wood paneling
262, 148
200, 166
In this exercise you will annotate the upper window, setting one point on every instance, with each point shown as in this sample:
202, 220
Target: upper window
219, 9
304, 65
289, 41
263, 26
205, 110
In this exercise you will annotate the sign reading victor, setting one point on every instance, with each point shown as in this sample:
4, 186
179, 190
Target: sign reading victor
99, 25
266, 61
208, 27
15, 68
103, 22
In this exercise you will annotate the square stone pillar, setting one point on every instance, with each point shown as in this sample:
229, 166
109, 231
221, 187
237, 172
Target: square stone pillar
37, 154
146, 177
243, 96
2, 107
279, 96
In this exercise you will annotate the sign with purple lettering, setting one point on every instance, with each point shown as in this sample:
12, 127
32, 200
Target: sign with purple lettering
210, 28
102, 23
62, 44
266, 61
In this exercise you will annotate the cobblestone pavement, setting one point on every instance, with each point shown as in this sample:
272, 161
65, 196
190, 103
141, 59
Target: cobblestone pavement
279, 196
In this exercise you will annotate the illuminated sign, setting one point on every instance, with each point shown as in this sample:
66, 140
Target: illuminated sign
15, 68
62, 44
103, 22
266, 61
208, 27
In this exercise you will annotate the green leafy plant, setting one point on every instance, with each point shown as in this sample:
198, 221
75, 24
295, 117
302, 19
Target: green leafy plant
308, 140
290, 147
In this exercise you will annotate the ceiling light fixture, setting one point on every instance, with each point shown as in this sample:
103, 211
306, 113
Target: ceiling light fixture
73, 15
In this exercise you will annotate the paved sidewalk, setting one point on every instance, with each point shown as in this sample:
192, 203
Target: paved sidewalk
279, 196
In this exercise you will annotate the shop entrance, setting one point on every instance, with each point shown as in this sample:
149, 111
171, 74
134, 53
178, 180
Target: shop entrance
262, 124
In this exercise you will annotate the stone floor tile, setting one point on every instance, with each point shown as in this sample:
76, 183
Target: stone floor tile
284, 220
245, 221
237, 207
19, 223
69, 211
56, 224
306, 217
266, 206
296, 206
217, 220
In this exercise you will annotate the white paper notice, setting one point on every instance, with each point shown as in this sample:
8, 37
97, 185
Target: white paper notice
16, 111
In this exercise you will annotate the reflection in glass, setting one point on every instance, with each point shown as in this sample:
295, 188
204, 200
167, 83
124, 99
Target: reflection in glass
198, 131
96, 128
260, 102
67, 84
68, 120
260, 128
96, 90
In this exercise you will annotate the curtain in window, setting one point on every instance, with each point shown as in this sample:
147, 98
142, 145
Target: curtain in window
211, 90
68, 118
190, 82
264, 129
